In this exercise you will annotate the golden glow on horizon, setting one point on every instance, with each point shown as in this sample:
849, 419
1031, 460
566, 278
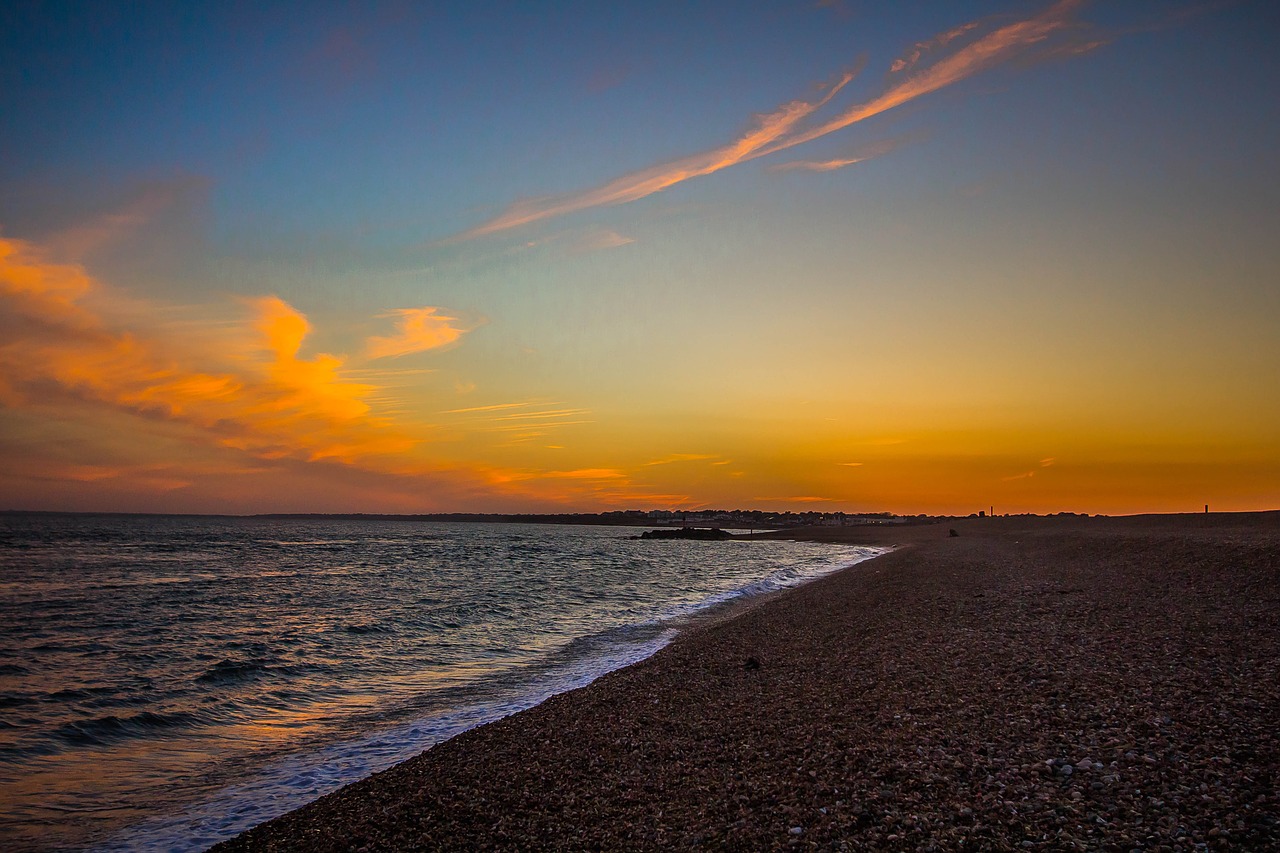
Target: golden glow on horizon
264, 399
827, 344
249, 389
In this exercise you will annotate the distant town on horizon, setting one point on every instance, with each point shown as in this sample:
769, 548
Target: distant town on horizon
732, 518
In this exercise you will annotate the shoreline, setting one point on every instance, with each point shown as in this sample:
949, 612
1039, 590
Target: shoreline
298, 778
1037, 683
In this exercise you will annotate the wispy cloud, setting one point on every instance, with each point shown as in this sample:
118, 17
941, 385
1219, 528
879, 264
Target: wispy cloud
766, 130
587, 474
1047, 462
550, 414
789, 125
107, 229
520, 421
494, 408
543, 424
578, 241
681, 457
913, 56
818, 165
799, 499
417, 330
859, 155
994, 48
598, 239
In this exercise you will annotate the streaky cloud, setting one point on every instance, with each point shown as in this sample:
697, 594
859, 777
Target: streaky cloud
785, 127
988, 51
920, 48
817, 165
681, 457
860, 155
768, 128
495, 407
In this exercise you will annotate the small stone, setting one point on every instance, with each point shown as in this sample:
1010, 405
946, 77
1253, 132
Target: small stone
1066, 769
797, 830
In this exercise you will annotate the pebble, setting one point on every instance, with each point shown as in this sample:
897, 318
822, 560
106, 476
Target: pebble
979, 755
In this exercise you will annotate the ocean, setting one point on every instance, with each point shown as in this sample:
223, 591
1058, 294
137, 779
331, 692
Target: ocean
169, 681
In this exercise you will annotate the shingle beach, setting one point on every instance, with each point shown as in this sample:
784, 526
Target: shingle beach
1028, 684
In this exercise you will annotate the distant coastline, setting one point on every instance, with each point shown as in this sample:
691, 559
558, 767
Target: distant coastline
737, 519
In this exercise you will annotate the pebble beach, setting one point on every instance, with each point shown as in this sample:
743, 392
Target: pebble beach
1027, 684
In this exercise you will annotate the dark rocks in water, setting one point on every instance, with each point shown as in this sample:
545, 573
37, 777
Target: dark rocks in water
953, 532
705, 534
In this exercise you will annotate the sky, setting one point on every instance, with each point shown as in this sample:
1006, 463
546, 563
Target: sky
493, 257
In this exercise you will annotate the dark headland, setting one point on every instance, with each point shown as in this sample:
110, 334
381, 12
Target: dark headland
1029, 684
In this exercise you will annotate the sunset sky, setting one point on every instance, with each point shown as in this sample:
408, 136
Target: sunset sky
857, 256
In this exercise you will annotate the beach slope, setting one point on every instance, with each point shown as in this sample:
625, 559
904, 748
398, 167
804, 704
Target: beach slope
1027, 684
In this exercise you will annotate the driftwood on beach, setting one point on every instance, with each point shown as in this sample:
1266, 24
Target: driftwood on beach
1096, 684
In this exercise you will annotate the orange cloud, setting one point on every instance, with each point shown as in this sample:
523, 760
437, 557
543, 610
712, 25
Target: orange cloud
781, 129
986, 52
417, 330
682, 457
551, 413
259, 396
923, 47
74, 350
507, 418
587, 474
494, 408
864, 153
800, 499
817, 165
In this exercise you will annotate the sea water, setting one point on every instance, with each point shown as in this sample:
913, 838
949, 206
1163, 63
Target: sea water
167, 682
